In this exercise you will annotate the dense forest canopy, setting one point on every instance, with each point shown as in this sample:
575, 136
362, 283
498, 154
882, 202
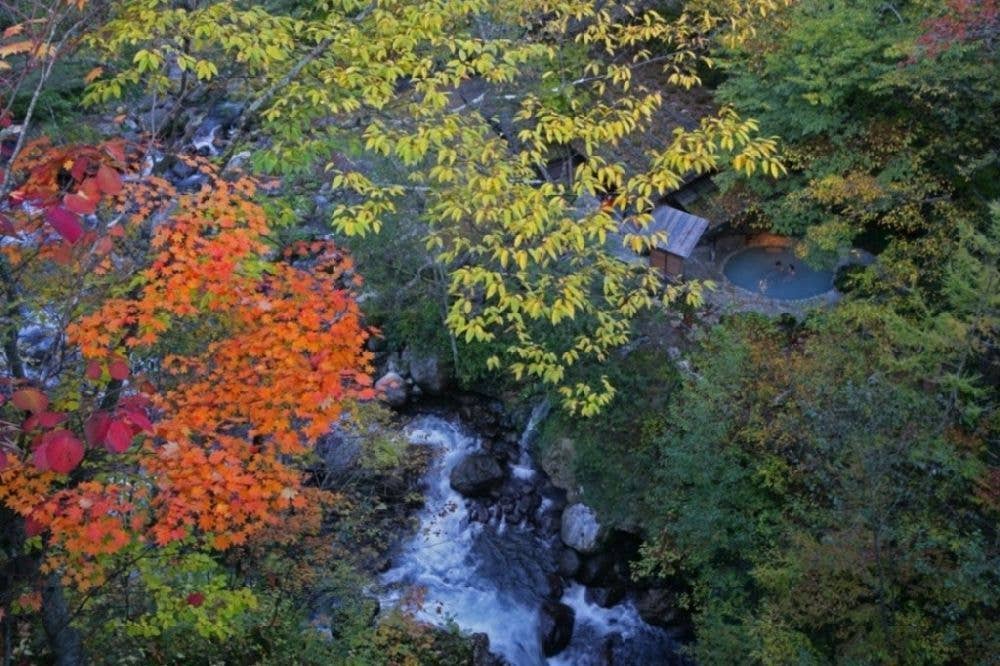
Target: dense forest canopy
234, 233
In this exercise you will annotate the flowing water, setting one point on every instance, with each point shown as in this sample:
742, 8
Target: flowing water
492, 578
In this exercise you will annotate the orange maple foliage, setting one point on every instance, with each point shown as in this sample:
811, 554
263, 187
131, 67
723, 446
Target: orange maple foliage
221, 435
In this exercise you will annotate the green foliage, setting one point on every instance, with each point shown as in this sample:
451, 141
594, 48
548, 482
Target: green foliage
404, 290
58, 104
612, 457
400, 640
406, 299
819, 76
186, 608
187, 592
278, 634
275, 631
812, 500
874, 134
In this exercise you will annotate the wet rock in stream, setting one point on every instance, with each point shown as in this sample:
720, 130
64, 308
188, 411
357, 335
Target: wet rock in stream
555, 627
477, 474
495, 563
580, 529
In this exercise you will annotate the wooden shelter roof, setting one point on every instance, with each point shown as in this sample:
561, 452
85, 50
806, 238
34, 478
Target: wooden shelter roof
683, 230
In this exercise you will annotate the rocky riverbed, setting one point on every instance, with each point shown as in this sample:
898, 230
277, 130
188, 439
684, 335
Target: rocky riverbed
501, 554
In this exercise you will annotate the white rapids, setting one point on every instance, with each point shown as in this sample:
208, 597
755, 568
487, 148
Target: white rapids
492, 578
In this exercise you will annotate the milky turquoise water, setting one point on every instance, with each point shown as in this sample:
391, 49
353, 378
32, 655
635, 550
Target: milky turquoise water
776, 272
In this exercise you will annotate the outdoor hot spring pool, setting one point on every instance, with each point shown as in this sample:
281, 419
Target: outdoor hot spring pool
777, 273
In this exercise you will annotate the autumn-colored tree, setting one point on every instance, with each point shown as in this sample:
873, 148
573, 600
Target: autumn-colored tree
963, 21
819, 492
528, 266
192, 365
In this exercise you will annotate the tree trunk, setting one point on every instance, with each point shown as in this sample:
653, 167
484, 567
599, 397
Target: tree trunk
20, 568
64, 640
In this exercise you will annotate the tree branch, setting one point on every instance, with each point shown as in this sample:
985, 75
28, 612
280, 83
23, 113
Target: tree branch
274, 88
6, 185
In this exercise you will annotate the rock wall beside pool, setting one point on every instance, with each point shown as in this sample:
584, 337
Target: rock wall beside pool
768, 240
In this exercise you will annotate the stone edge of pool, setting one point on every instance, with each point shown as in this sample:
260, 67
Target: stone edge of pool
727, 297
822, 298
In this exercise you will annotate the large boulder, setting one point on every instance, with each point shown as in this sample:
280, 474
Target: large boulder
599, 570
392, 388
427, 371
558, 460
580, 529
605, 597
555, 627
569, 562
481, 655
239, 161
477, 474
611, 650
555, 586
339, 452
